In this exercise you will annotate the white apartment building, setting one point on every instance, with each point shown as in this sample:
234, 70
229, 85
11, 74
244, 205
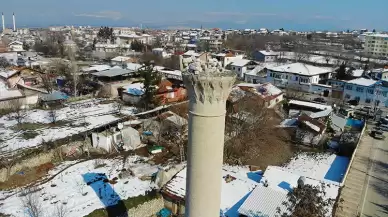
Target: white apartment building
298, 76
366, 91
376, 45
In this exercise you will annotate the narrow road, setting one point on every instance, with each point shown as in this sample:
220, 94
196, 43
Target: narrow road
375, 199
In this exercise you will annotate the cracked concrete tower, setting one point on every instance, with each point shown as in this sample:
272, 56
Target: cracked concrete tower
208, 89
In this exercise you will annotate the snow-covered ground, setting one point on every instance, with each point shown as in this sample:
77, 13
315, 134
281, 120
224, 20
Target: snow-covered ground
82, 116
82, 188
321, 166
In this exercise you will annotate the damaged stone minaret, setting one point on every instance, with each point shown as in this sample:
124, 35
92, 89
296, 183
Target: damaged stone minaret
208, 88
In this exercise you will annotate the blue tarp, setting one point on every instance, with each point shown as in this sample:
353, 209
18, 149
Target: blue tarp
136, 92
54, 96
355, 123
337, 169
164, 213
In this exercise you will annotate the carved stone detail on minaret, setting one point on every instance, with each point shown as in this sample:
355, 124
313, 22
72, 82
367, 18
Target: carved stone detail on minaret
208, 89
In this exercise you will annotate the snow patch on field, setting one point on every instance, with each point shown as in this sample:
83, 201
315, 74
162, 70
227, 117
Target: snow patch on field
70, 186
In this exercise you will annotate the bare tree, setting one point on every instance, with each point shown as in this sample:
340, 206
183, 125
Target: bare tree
47, 82
67, 69
7, 160
31, 202
4, 63
60, 210
53, 114
17, 110
118, 106
246, 119
306, 201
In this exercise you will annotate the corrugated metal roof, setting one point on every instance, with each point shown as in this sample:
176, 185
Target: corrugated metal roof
113, 72
263, 202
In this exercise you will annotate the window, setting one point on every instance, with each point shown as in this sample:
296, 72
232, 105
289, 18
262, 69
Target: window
347, 96
367, 100
370, 91
239, 69
349, 87
357, 98
385, 93
360, 89
255, 81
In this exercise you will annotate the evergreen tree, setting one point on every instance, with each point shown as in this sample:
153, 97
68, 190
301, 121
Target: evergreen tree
151, 78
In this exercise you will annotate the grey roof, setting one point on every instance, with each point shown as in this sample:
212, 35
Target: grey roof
113, 72
263, 202
320, 114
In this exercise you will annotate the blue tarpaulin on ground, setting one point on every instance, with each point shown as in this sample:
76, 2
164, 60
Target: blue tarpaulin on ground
164, 213
54, 96
136, 92
337, 169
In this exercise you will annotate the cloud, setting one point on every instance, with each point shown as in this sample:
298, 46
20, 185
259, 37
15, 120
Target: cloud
114, 15
237, 14
322, 17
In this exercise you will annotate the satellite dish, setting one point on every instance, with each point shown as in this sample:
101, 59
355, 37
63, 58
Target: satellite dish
120, 126
112, 129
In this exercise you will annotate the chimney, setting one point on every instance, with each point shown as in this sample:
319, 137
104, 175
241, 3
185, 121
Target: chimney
2, 19
208, 92
14, 22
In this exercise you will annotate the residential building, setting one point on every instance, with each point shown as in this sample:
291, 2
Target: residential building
235, 184
167, 93
376, 45
160, 52
16, 46
266, 94
259, 73
298, 76
367, 91
265, 56
241, 66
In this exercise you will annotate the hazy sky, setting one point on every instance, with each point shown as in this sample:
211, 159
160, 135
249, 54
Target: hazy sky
289, 14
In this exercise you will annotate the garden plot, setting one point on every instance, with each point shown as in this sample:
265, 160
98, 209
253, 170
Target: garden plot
85, 187
73, 119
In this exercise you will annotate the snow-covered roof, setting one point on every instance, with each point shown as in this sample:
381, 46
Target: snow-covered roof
378, 35
320, 114
5, 94
240, 62
310, 104
191, 53
264, 201
112, 72
133, 66
8, 74
301, 69
97, 68
362, 82
269, 53
231, 192
358, 72
120, 59
260, 68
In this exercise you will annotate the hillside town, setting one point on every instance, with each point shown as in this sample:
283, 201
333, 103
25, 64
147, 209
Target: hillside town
131, 121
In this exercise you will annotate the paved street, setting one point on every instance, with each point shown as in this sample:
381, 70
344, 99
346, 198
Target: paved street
366, 186
375, 201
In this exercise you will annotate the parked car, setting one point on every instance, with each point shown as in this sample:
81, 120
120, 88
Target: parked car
377, 134
320, 100
384, 127
353, 102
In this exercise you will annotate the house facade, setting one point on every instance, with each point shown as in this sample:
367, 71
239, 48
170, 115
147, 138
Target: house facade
265, 56
297, 76
240, 67
367, 91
